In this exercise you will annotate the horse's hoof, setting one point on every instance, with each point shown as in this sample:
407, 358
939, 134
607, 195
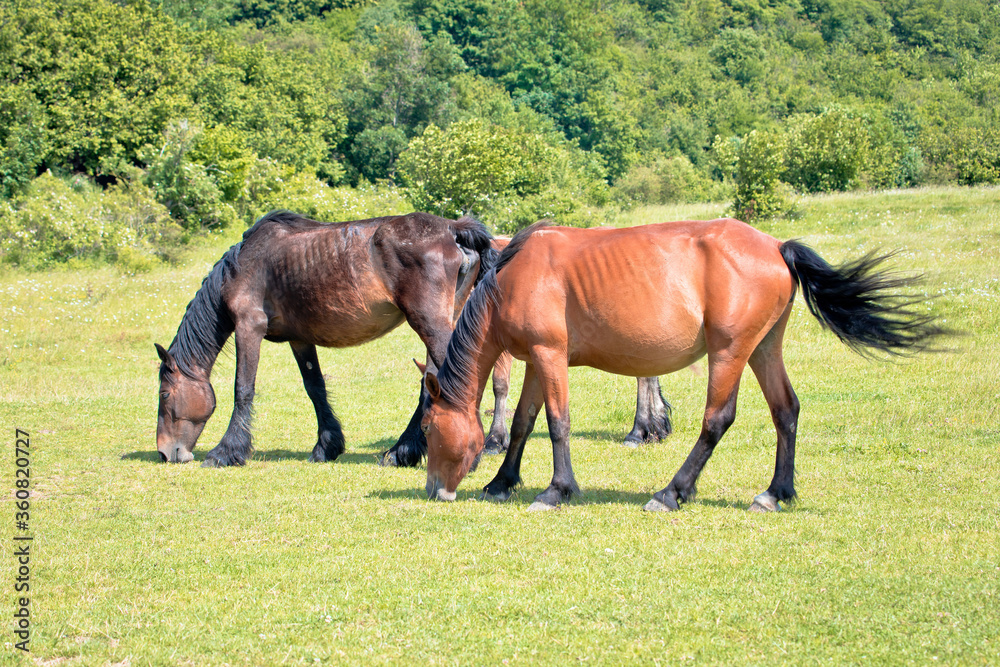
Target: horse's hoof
498, 498
764, 503
494, 445
211, 462
388, 460
655, 505
539, 506
632, 441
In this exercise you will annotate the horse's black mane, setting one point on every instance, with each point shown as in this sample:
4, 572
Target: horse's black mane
517, 243
206, 326
467, 340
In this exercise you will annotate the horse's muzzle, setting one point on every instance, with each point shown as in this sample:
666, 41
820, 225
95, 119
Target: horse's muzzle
177, 454
436, 490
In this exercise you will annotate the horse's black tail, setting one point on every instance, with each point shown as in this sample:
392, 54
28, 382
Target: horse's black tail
862, 306
472, 234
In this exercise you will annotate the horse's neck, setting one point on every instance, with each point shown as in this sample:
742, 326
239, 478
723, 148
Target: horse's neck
485, 359
484, 366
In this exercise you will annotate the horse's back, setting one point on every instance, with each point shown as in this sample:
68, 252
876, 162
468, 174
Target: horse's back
637, 300
329, 283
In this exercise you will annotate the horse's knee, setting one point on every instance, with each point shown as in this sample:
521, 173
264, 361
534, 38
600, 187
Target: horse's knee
717, 422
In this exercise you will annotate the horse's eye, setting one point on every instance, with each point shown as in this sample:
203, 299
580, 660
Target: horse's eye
164, 394
425, 428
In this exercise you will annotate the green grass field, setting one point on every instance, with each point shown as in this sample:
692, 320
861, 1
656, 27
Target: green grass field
890, 556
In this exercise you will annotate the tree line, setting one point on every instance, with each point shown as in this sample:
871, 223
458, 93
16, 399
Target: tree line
126, 127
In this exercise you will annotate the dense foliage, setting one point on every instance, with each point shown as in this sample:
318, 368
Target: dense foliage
223, 108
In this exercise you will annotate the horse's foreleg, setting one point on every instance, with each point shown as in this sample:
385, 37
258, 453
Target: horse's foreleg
330, 439
652, 413
528, 406
236, 446
553, 374
769, 368
499, 439
720, 411
429, 314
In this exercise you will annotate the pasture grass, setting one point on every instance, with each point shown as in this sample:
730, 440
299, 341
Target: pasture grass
890, 555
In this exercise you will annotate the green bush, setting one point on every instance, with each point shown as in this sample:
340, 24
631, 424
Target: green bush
272, 185
666, 181
827, 152
467, 167
975, 155
55, 221
23, 139
759, 163
186, 187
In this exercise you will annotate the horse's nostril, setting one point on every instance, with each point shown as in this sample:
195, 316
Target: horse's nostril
163, 457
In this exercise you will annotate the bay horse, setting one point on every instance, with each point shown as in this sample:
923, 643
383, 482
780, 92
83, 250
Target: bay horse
652, 411
295, 280
645, 301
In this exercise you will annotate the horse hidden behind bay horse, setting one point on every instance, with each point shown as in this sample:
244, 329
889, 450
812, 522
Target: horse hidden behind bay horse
309, 283
645, 301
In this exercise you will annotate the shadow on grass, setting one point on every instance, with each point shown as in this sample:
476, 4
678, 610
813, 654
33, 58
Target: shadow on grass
525, 495
369, 454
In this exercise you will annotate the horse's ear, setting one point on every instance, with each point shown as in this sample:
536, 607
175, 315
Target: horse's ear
421, 367
166, 358
433, 386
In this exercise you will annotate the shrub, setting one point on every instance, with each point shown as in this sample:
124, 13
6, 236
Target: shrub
976, 156
668, 180
55, 221
466, 167
826, 152
187, 188
271, 185
759, 162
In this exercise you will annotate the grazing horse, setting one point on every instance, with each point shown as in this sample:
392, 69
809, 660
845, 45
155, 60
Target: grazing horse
652, 412
308, 283
646, 301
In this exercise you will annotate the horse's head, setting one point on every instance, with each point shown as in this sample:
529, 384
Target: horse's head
185, 406
454, 441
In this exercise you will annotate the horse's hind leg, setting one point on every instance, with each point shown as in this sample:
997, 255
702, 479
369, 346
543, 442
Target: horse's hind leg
498, 438
528, 406
720, 411
652, 413
769, 368
330, 440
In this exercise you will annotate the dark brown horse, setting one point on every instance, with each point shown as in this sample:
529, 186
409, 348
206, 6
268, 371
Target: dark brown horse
308, 283
646, 301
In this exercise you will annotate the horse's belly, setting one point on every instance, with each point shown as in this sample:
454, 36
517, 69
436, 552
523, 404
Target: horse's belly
640, 351
336, 326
